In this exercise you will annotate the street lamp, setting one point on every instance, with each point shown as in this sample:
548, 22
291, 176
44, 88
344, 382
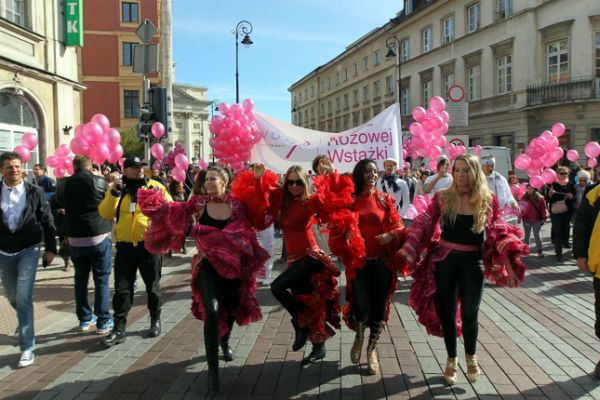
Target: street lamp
294, 109
214, 106
243, 27
393, 46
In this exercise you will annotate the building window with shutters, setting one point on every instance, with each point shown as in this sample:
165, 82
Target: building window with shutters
404, 50
427, 37
131, 103
128, 54
474, 82
405, 101
130, 12
377, 57
473, 17
448, 29
365, 94
355, 99
557, 61
376, 89
366, 63
504, 74
503, 9
389, 84
427, 92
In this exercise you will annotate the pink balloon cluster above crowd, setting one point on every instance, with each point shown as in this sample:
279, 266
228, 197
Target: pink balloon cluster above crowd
29, 141
235, 133
97, 140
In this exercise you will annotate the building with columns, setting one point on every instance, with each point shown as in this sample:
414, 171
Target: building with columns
39, 88
190, 120
523, 64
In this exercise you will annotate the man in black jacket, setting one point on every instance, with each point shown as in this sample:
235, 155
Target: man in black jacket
89, 241
24, 216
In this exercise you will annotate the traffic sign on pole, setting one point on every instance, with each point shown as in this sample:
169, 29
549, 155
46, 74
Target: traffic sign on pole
146, 31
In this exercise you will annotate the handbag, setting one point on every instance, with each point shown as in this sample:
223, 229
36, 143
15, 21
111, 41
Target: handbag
559, 207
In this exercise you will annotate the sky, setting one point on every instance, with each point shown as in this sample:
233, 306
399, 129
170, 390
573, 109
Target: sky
291, 38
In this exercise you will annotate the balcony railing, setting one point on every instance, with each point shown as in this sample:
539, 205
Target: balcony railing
566, 90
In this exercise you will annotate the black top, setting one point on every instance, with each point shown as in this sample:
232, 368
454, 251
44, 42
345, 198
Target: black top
461, 232
206, 219
560, 193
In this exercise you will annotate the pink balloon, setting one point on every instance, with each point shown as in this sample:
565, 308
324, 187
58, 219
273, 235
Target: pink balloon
432, 165
29, 140
158, 129
477, 150
70, 169
536, 181
202, 163
51, 161
592, 149
79, 145
558, 153
216, 122
93, 132
181, 161
592, 162
101, 120
427, 124
418, 113
178, 174
415, 128
23, 152
558, 129
99, 152
224, 108
572, 155
59, 172
248, 105
548, 176
63, 150
79, 130
411, 212
115, 154
112, 138
157, 151
236, 110
437, 104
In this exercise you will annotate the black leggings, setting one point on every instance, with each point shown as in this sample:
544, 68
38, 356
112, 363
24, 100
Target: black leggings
597, 305
216, 292
560, 230
297, 279
371, 288
460, 272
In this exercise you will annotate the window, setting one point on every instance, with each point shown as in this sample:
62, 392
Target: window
405, 101
474, 141
16, 11
473, 16
337, 79
312, 90
322, 109
557, 61
427, 88
427, 35
322, 86
366, 63
365, 94
355, 97
178, 125
130, 12
128, 54
328, 83
346, 104
196, 126
376, 89
345, 74
299, 118
389, 84
473, 82
447, 81
597, 55
504, 74
377, 57
404, 50
448, 29
408, 6
595, 134
329, 110
503, 9
355, 69
312, 113
131, 103
306, 94
300, 97
338, 105
306, 115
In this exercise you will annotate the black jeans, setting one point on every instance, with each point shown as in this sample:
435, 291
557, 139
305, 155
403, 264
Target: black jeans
460, 273
561, 227
216, 292
597, 305
127, 261
371, 287
297, 279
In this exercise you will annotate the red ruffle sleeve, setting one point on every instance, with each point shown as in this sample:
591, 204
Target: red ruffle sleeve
261, 197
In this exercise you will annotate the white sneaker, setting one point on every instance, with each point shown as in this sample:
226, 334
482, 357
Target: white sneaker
27, 358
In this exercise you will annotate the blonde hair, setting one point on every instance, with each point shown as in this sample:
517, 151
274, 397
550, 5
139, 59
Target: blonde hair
480, 200
287, 196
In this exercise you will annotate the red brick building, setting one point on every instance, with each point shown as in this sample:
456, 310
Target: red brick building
105, 61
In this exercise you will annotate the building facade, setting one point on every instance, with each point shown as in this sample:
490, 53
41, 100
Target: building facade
39, 89
523, 65
106, 59
190, 120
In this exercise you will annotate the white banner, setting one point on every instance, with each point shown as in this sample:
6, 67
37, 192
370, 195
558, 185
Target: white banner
284, 145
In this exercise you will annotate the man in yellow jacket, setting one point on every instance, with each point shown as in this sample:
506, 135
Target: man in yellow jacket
586, 246
120, 204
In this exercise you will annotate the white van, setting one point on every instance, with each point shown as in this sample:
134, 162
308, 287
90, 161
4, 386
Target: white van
502, 156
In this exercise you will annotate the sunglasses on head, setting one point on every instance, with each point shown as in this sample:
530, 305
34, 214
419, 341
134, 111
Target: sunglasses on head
292, 182
563, 173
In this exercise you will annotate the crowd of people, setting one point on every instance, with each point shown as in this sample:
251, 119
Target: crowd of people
468, 233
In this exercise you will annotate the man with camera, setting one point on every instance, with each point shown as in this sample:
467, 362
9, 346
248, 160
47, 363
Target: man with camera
120, 203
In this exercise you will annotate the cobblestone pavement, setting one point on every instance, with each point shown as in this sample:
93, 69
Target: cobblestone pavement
535, 342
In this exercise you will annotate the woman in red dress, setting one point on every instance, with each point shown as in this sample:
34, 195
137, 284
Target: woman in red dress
307, 289
365, 230
449, 271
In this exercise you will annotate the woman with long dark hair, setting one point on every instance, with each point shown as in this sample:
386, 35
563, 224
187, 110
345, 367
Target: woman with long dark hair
364, 232
224, 270
448, 267
307, 289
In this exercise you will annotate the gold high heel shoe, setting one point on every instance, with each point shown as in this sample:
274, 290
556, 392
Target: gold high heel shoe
451, 371
473, 370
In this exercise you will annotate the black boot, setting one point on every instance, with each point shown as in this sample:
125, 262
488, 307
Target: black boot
155, 326
211, 343
227, 353
318, 352
301, 336
117, 335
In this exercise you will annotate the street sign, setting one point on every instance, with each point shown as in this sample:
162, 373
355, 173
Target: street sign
146, 31
145, 58
73, 23
456, 93
459, 113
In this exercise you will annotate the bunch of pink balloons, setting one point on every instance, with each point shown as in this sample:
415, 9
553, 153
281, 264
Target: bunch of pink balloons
592, 150
177, 161
428, 132
235, 133
98, 140
29, 141
518, 190
542, 153
202, 163
61, 161
419, 206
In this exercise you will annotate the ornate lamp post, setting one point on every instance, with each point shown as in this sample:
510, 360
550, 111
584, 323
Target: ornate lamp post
214, 106
243, 28
393, 46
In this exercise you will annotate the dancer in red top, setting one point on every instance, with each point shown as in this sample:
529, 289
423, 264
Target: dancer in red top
308, 287
364, 232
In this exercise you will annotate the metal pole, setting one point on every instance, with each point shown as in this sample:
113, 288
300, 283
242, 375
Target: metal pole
237, 73
399, 84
